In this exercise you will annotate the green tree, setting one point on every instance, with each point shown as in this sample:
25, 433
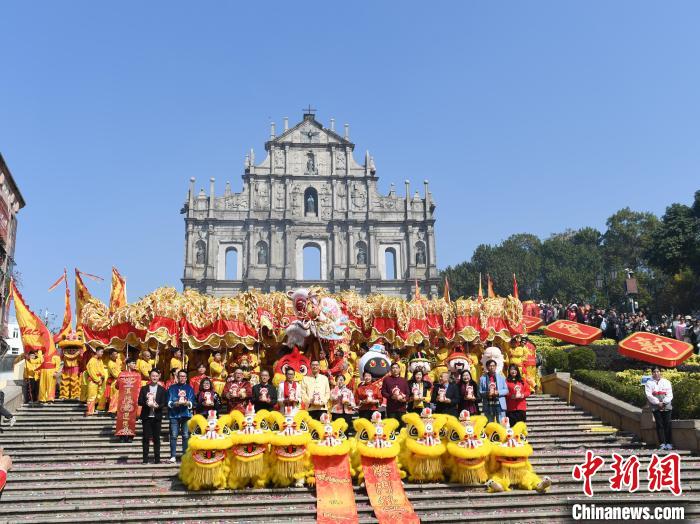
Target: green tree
675, 244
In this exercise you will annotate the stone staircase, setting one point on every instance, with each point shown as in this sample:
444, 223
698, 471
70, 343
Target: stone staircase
69, 468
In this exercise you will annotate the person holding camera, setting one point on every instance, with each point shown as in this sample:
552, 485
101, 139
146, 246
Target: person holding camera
659, 394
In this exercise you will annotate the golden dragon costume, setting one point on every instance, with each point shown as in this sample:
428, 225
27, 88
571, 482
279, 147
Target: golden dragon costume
508, 464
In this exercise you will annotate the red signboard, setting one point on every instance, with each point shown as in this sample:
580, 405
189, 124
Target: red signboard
573, 332
656, 349
531, 323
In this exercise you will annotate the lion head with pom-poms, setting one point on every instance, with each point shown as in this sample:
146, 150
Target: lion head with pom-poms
250, 437
423, 447
204, 465
289, 441
468, 448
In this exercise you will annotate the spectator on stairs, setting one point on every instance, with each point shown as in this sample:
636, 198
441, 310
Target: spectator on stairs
180, 403
518, 391
659, 394
3, 410
152, 398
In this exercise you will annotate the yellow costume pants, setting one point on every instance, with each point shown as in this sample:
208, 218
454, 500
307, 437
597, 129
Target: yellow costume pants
47, 385
70, 385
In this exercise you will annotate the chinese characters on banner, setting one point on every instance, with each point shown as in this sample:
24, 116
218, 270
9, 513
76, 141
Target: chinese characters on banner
661, 473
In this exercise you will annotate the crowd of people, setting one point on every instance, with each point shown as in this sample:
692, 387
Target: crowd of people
618, 324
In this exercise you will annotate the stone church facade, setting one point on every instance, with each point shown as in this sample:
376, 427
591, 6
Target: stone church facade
309, 198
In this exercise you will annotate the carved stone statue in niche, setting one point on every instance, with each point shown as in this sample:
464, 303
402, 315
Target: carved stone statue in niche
358, 196
361, 254
311, 205
279, 158
200, 252
340, 159
262, 253
310, 164
420, 254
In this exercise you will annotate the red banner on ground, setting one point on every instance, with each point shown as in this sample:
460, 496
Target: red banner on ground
573, 332
128, 387
335, 499
385, 491
531, 323
656, 349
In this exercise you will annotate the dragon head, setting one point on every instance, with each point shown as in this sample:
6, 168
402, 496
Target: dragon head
328, 438
290, 434
377, 438
466, 440
509, 446
424, 432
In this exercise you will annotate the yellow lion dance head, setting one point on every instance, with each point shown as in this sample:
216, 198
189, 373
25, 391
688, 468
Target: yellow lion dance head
509, 464
378, 439
204, 465
468, 448
423, 448
250, 437
328, 438
289, 441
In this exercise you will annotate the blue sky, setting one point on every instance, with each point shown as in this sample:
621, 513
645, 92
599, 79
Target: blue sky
525, 116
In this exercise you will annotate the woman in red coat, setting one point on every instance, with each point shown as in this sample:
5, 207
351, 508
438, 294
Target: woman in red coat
518, 391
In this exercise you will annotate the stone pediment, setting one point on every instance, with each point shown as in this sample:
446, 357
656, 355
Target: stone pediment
309, 132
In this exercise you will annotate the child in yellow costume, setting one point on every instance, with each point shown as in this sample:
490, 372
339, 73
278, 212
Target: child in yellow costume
94, 378
508, 464
48, 373
328, 439
423, 448
377, 439
468, 449
289, 454
72, 349
247, 458
204, 464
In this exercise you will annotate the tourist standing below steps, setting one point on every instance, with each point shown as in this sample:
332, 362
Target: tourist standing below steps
152, 398
493, 391
315, 391
395, 391
180, 403
660, 394
518, 391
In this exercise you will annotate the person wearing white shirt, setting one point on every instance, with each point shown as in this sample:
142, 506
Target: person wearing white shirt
659, 394
315, 391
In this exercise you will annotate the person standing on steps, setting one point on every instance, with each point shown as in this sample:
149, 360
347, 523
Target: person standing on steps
315, 391
152, 398
493, 390
3, 410
445, 396
659, 394
264, 393
395, 391
180, 403
518, 391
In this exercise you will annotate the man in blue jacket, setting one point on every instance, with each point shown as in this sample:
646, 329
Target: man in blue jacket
493, 390
180, 402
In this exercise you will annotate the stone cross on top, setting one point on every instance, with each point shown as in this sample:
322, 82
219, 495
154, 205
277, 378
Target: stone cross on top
309, 111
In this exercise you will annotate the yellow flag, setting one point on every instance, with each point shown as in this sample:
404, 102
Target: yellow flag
117, 297
35, 335
82, 295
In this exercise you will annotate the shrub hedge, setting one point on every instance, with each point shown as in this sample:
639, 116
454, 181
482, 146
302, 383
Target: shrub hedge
608, 382
582, 358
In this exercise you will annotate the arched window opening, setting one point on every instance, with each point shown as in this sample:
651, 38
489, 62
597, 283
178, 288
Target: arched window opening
390, 263
310, 202
232, 264
312, 262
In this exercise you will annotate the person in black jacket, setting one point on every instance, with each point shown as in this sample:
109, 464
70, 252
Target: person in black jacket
264, 393
445, 396
152, 399
207, 399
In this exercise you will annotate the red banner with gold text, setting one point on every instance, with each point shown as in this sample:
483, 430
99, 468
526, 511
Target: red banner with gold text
128, 387
335, 499
385, 491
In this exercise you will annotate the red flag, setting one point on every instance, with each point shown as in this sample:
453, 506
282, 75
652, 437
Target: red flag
61, 279
489, 286
481, 291
515, 287
446, 293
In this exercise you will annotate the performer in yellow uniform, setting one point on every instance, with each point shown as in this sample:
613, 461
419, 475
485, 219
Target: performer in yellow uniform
217, 371
72, 348
145, 364
94, 376
179, 360
48, 373
114, 367
32, 363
